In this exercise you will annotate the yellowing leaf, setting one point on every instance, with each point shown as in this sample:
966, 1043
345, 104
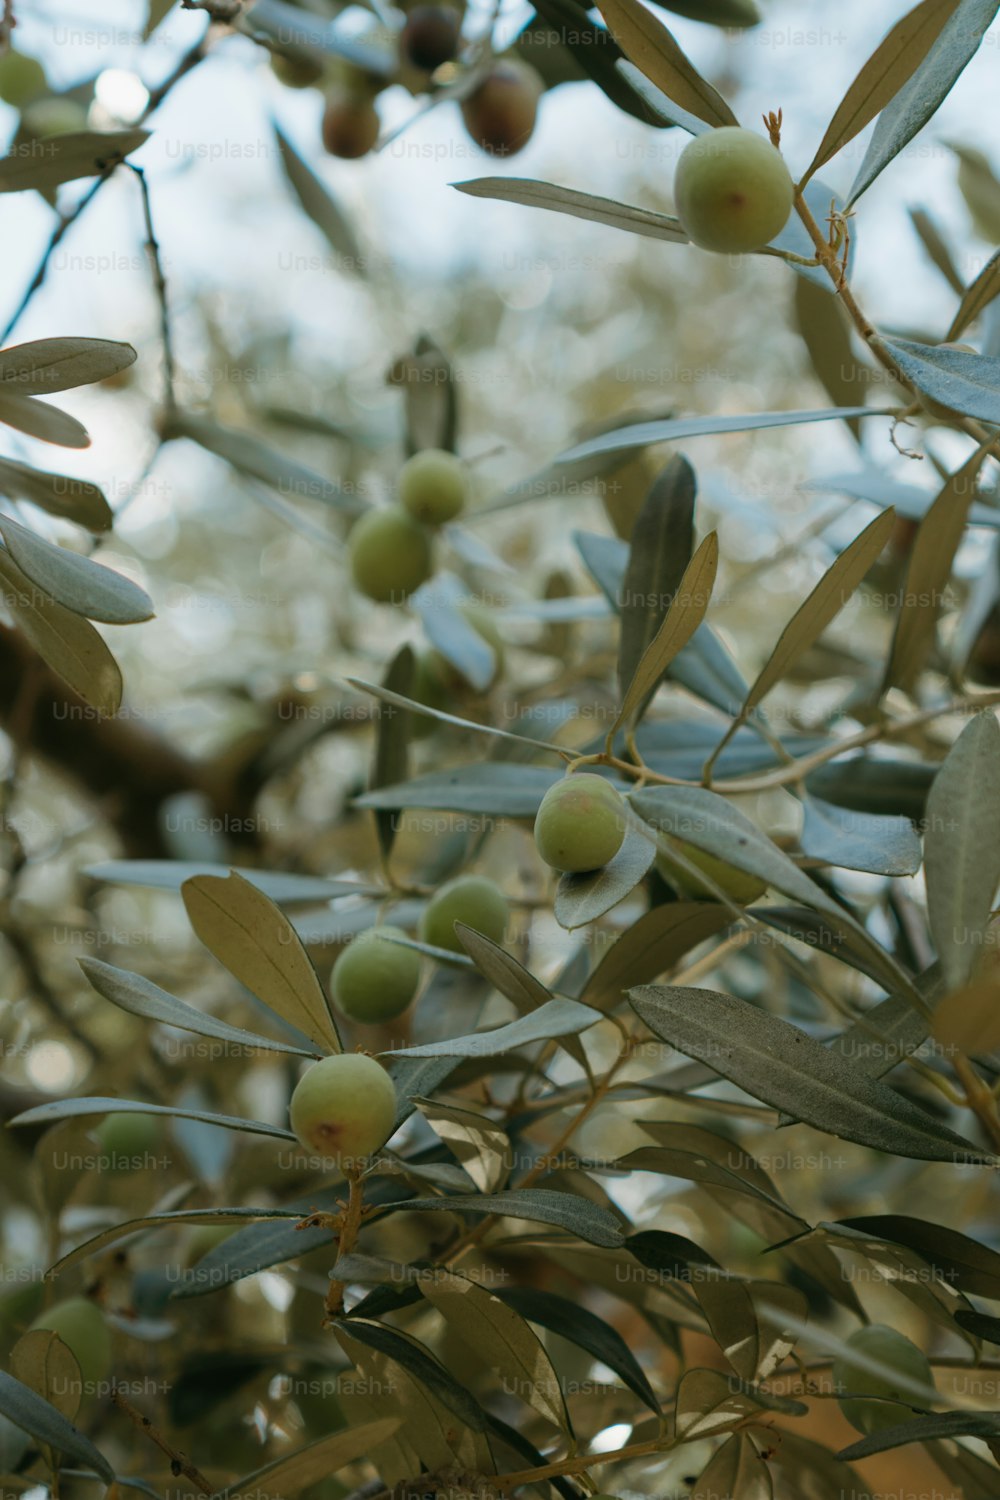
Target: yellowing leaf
502, 1339
653, 49
256, 942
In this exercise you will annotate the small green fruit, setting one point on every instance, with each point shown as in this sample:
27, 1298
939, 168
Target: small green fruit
433, 486
390, 554
500, 114
732, 190
350, 125
54, 116
580, 824
344, 1108
736, 883
126, 1140
82, 1328
21, 79
470, 899
889, 1348
375, 979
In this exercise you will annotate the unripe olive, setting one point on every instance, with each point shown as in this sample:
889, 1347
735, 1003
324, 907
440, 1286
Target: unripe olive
21, 79
350, 124
580, 824
500, 114
889, 1348
732, 190
126, 1139
430, 36
54, 116
375, 979
295, 71
81, 1326
432, 486
390, 554
743, 888
470, 899
343, 1108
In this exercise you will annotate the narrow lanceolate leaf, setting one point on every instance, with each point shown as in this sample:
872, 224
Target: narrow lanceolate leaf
140, 997
977, 296
392, 741
825, 330
780, 1065
962, 847
481, 1146
890, 66
709, 1402
553, 1019
68, 1109
83, 153
643, 434
660, 548
563, 1316
32, 1413
564, 200
736, 1469
40, 420
170, 875
687, 609
503, 789
47, 365
248, 455
502, 1339
945, 1424
320, 206
953, 378
503, 970
928, 572
961, 1261
578, 1216
41, 1361
652, 946
77, 583
70, 645
822, 606
168, 1220
714, 824
255, 941
57, 494
859, 841
917, 101
297, 1471
581, 899
652, 48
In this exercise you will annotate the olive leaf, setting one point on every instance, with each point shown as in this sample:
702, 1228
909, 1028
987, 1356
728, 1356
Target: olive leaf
859, 841
503, 789
61, 364
962, 846
66, 1109
248, 455
578, 205
953, 378
643, 434
73, 499
925, 89
297, 1471
251, 937
499, 1336
648, 43
321, 207
977, 296
69, 644
554, 1019
781, 1065
39, 420
660, 548
482, 1147
928, 570
582, 898
735, 1469
281, 886
686, 612
75, 582
652, 946
31, 1412
893, 62
80, 154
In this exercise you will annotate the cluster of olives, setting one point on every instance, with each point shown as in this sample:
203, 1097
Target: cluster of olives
499, 113
732, 190
896, 1352
391, 547
377, 976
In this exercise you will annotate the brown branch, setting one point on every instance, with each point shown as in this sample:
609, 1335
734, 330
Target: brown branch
179, 1463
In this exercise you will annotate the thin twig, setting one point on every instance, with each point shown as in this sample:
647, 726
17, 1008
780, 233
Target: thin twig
179, 1463
160, 287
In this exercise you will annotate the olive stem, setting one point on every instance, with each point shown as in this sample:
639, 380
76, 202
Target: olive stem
179, 1464
350, 1225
